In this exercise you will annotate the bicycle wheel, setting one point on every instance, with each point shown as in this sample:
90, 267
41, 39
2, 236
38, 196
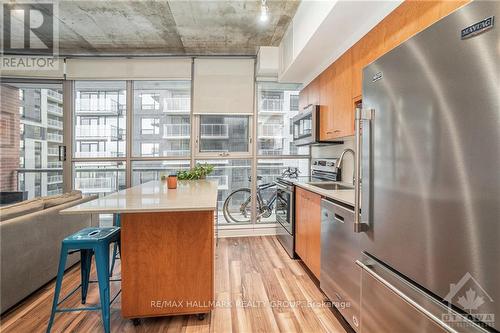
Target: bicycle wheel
237, 207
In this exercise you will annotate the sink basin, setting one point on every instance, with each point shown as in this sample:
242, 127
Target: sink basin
332, 186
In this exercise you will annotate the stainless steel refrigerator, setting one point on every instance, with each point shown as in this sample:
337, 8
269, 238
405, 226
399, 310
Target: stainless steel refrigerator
430, 162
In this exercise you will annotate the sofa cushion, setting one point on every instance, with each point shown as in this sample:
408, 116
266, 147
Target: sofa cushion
56, 200
21, 208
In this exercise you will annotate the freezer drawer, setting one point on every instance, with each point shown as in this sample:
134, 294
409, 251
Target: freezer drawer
340, 276
391, 304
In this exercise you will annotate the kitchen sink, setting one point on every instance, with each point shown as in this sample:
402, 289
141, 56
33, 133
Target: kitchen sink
332, 186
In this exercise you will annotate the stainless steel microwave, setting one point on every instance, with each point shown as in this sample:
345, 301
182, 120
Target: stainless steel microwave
306, 126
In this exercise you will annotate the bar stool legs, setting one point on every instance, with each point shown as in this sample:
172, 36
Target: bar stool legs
102, 263
89, 242
60, 274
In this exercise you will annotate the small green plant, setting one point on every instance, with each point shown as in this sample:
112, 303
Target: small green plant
200, 171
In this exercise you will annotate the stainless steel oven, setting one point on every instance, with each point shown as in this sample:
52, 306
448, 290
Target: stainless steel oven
285, 207
321, 170
306, 126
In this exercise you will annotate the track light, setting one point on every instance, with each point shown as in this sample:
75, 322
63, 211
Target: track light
264, 11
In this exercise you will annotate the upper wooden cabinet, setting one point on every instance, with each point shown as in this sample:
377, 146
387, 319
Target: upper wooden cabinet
340, 85
326, 103
303, 98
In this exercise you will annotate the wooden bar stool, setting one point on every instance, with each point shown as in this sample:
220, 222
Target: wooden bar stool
89, 242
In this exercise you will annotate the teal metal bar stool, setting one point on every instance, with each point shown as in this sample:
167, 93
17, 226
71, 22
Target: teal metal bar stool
117, 246
89, 242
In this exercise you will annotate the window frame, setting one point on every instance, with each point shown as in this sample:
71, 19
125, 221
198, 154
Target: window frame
222, 155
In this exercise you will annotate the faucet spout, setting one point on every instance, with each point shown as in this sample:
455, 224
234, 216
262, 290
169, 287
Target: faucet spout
338, 165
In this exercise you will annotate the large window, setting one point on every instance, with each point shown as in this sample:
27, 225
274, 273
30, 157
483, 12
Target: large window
99, 178
224, 134
232, 174
31, 121
145, 171
100, 116
277, 105
162, 120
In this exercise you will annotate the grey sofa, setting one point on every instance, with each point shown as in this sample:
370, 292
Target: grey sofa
30, 245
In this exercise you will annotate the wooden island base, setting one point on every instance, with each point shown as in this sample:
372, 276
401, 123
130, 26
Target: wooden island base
167, 263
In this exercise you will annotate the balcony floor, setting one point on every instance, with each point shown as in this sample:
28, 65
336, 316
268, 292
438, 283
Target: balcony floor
254, 270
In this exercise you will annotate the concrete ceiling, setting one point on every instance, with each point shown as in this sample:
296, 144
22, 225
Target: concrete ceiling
175, 27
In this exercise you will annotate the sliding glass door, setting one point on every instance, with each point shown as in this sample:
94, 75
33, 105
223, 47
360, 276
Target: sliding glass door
32, 140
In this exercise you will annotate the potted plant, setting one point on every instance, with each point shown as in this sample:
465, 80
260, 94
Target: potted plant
200, 171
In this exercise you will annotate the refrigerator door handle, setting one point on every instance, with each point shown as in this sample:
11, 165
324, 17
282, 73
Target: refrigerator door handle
361, 114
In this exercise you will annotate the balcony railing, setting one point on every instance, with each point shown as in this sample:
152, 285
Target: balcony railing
214, 131
54, 165
53, 151
271, 130
55, 123
271, 105
96, 185
95, 154
177, 104
54, 179
177, 131
181, 152
55, 109
54, 95
54, 137
96, 131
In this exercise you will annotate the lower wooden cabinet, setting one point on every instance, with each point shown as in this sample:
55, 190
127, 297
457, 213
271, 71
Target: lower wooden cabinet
308, 229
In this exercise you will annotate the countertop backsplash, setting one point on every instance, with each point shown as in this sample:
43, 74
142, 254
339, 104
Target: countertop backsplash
334, 151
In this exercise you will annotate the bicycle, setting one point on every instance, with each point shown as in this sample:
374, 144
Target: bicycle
238, 205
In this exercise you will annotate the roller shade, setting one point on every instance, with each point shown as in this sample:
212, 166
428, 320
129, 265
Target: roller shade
129, 69
223, 86
57, 71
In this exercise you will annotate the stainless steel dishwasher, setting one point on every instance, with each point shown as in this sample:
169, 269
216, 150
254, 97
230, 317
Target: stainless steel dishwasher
340, 277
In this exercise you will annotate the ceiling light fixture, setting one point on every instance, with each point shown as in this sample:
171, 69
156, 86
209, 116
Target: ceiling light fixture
264, 11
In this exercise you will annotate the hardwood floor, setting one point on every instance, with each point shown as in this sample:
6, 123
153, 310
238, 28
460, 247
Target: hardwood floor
258, 289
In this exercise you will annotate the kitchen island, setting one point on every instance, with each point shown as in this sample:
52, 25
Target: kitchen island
167, 246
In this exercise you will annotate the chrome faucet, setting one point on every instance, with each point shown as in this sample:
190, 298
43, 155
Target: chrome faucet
338, 166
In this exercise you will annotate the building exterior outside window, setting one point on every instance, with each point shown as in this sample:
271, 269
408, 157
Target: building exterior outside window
100, 116
161, 118
33, 116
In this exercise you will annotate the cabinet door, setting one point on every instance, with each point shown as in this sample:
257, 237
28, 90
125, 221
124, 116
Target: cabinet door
314, 91
326, 103
343, 109
301, 207
314, 234
303, 98
366, 50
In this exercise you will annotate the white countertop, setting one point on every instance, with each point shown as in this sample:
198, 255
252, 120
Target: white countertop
154, 196
345, 196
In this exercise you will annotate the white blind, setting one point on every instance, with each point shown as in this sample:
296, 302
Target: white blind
223, 86
57, 71
129, 69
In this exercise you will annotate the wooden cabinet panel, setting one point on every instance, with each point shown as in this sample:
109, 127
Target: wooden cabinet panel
303, 98
314, 91
365, 51
326, 103
314, 234
343, 110
301, 206
308, 229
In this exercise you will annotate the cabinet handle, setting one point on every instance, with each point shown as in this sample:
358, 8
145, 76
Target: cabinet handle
336, 131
